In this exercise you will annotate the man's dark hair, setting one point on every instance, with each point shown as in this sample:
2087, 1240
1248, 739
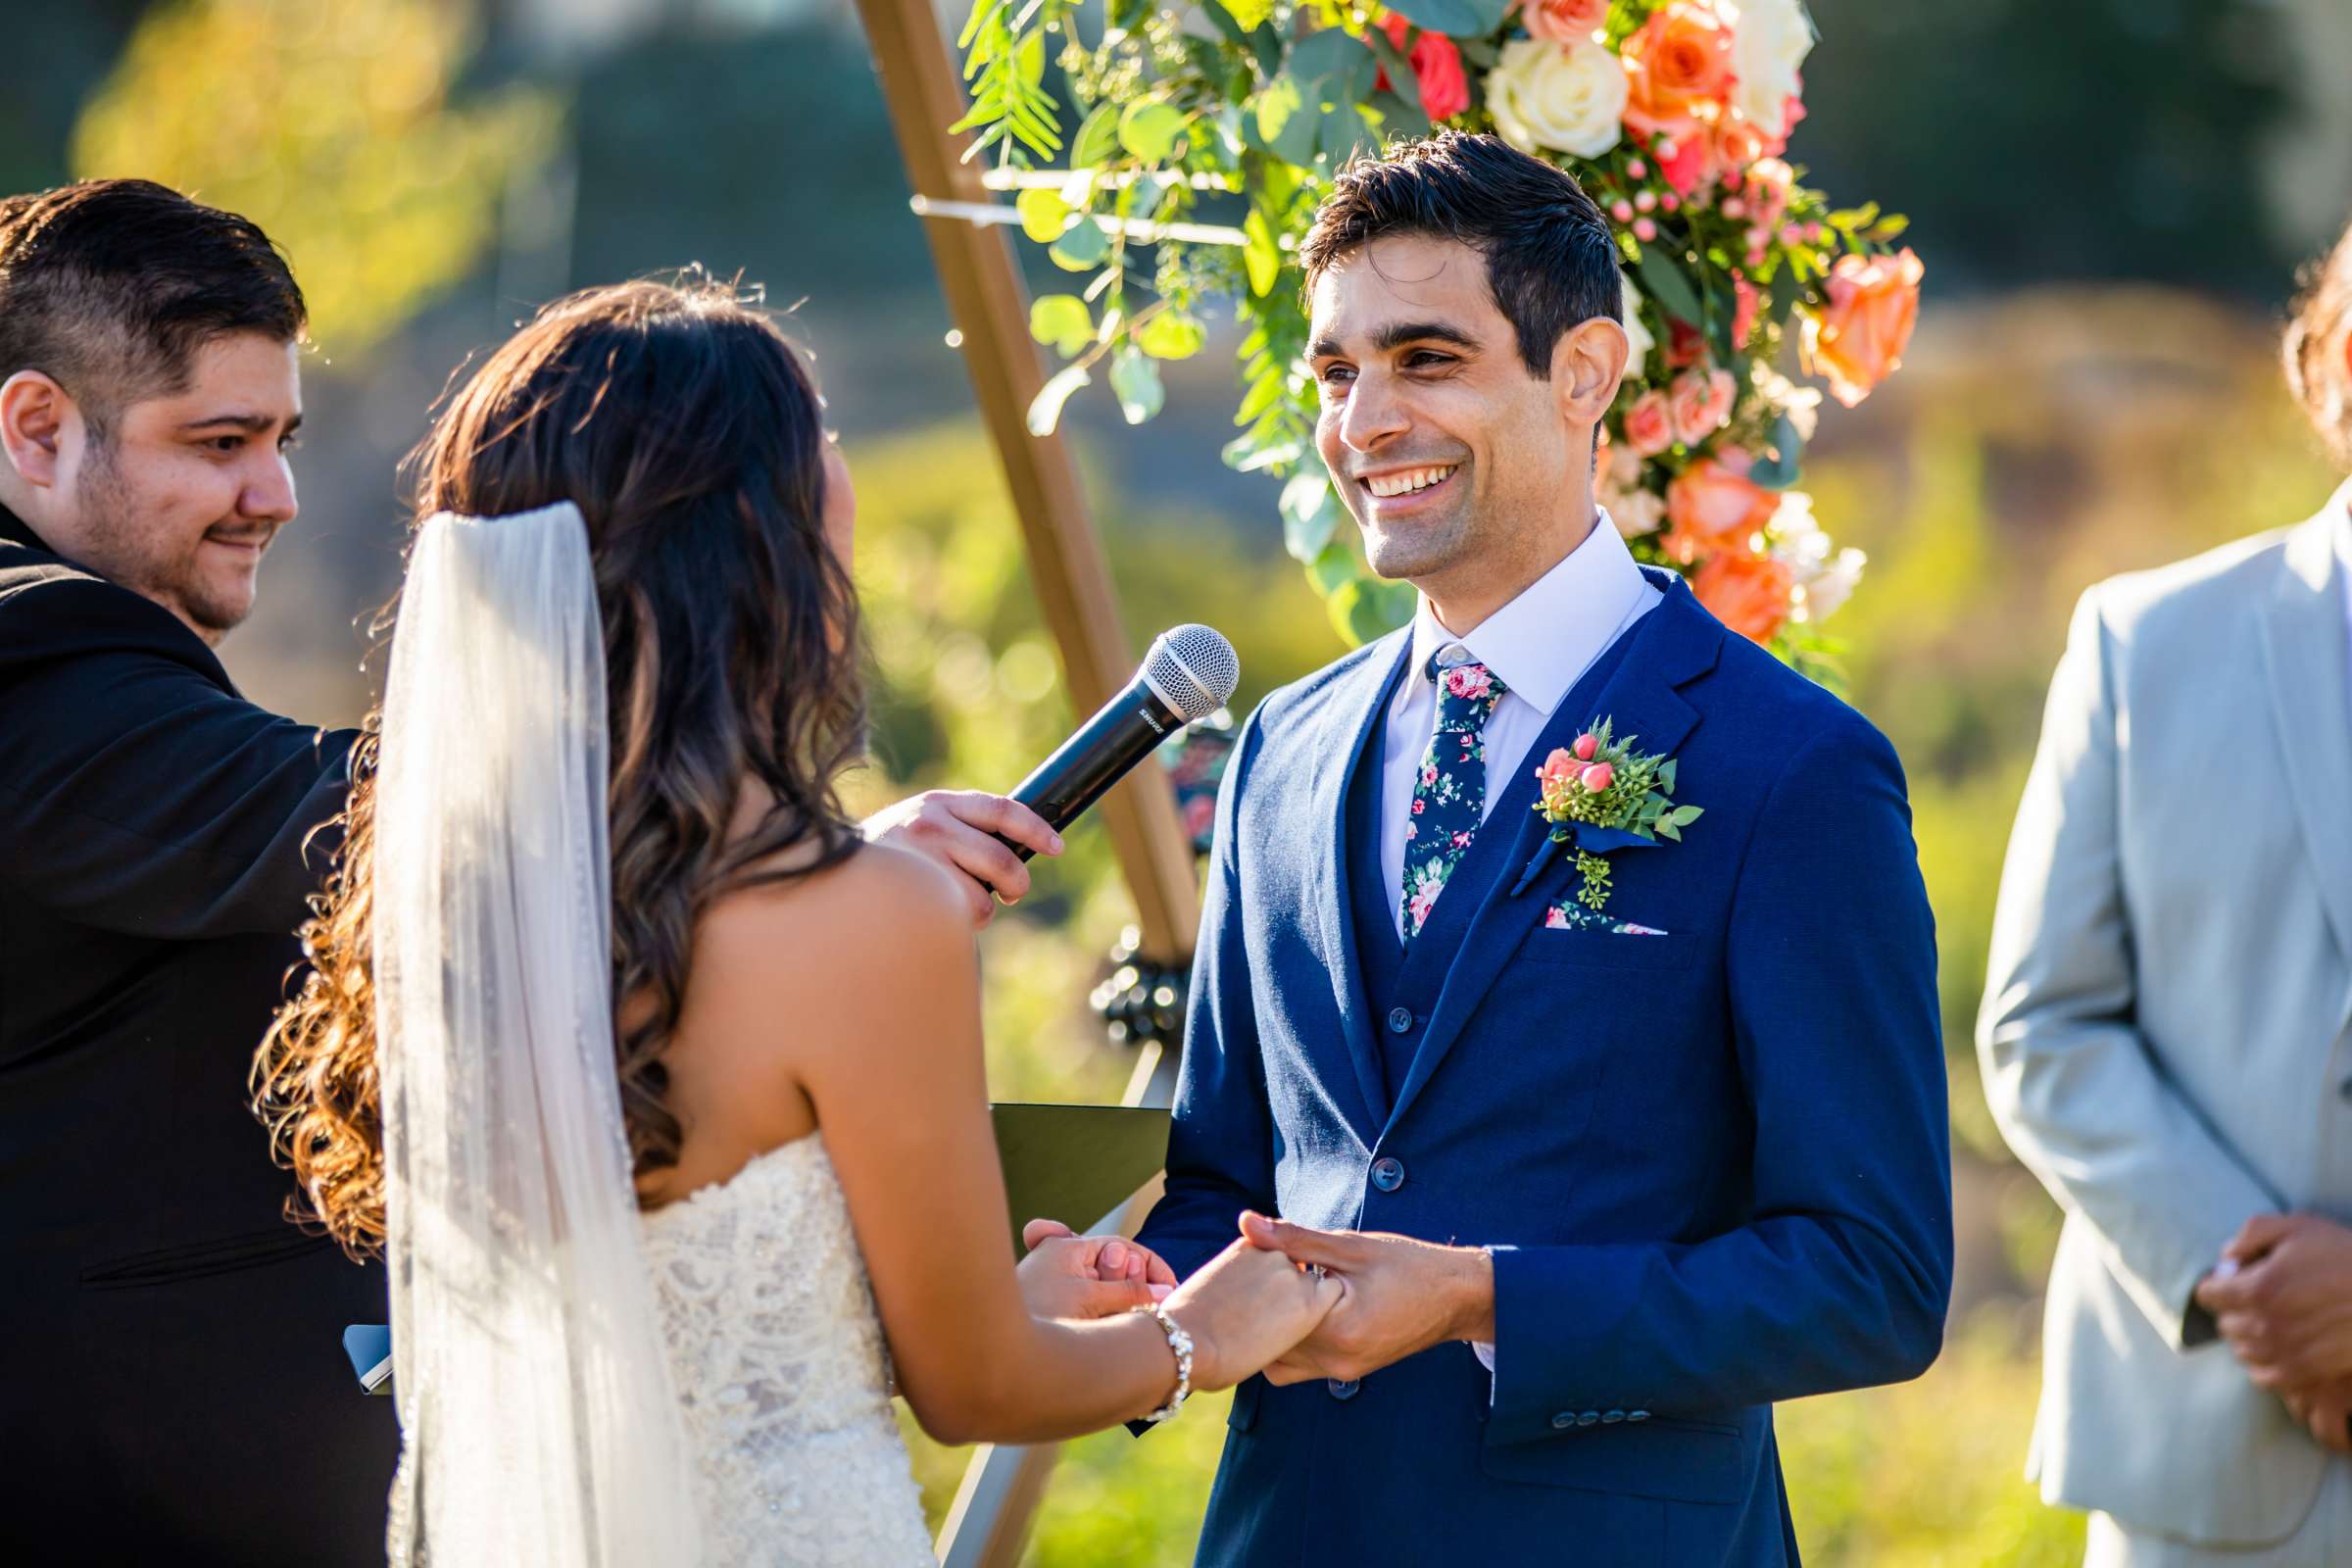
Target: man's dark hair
111, 286
2319, 349
1552, 262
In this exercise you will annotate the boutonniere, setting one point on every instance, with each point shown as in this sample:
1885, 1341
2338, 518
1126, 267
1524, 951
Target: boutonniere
1600, 795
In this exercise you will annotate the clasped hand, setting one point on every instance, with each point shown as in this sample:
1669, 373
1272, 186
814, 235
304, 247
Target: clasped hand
1394, 1296
2281, 1297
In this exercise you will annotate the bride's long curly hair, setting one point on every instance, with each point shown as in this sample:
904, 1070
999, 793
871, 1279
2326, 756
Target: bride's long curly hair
684, 427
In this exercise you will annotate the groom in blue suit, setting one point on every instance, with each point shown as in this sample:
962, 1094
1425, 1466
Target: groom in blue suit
1603, 1182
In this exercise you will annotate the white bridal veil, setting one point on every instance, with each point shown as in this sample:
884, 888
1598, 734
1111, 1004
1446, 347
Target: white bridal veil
537, 1417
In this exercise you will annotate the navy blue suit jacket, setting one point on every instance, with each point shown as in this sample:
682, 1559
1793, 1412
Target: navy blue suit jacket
1714, 1165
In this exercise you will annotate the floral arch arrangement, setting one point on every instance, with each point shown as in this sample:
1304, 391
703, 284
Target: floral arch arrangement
1674, 114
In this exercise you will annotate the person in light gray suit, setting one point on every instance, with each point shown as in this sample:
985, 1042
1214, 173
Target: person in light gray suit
2164, 1035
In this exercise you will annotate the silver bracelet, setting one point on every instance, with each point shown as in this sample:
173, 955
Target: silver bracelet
1182, 1344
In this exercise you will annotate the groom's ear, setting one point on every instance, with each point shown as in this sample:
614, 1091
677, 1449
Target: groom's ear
1586, 364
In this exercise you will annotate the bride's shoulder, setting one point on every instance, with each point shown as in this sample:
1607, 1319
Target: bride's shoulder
875, 908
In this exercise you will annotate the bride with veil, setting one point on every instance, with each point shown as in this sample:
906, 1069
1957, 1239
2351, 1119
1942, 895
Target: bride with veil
660, 1091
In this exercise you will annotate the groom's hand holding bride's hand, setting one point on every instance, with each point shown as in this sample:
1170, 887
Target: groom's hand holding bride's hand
1068, 1275
955, 828
1403, 1296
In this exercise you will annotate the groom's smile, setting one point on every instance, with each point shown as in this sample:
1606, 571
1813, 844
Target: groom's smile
1425, 388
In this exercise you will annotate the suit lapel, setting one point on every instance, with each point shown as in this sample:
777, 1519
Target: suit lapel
1672, 645
2304, 648
1362, 696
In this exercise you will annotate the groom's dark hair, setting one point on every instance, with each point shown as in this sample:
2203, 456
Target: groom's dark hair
111, 286
1552, 262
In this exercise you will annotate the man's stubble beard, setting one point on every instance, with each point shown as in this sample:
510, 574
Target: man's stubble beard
110, 505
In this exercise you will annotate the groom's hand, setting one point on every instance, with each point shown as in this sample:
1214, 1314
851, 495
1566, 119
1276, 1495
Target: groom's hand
953, 827
1402, 1296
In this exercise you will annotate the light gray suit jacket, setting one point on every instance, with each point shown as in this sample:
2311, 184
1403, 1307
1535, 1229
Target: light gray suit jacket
2164, 1035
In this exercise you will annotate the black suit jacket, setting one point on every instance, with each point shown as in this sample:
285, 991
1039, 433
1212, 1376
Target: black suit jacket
172, 1386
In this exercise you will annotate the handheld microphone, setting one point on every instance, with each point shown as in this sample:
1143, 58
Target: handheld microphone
1188, 674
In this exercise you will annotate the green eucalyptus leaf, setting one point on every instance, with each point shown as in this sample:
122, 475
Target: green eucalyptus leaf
1261, 254
1311, 514
1045, 410
1685, 815
1245, 13
1043, 213
1335, 565
1342, 132
1149, 130
1284, 118
1778, 469
1097, 138
1666, 775
1401, 80
1062, 321
1135, 382
1662, 279
1170, 335
1343, 66
1456, 18
1081, 248
1667, 830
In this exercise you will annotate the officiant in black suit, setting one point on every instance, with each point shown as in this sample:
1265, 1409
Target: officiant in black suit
172, 1383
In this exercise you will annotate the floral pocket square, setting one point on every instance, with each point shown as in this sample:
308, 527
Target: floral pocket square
1570, 916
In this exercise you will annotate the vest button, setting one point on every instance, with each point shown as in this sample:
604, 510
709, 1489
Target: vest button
1388, 1173
1342, 1389
1400, 1019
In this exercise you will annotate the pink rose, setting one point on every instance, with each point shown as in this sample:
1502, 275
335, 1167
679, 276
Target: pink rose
1649, 425
1586, 745
1563, 20
1702, 405
1598, 777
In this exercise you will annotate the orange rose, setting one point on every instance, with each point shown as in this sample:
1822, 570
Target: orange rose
1564, 20
1714, 507
1678, 71
1858, 339
1747, 593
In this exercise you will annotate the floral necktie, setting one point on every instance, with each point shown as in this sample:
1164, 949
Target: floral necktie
1450, 796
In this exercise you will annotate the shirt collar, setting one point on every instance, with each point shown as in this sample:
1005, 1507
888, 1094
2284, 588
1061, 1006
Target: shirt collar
1539, 643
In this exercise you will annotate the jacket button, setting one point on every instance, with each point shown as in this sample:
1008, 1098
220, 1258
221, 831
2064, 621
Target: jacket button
1388, 1173
1563, 1421
1342, 1388
1609, 1418
1636, 1415
1589, 1418
1400, 1020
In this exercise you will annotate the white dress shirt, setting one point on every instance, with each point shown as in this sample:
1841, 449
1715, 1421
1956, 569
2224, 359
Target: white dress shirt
1539, 646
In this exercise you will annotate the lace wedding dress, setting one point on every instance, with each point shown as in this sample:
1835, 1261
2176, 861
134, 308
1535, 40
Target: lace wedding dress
781, 1368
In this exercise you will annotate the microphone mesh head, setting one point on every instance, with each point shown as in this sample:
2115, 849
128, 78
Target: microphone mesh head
1194, 667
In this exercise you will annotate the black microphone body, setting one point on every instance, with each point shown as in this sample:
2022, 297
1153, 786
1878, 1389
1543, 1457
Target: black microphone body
1121, 734
1190, 672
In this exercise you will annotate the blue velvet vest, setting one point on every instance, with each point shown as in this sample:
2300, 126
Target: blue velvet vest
1400, 987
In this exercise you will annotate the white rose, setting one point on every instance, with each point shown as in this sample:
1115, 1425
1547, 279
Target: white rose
1770, 39
1636, 361
1836, 584
1564, 97
1637, 512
